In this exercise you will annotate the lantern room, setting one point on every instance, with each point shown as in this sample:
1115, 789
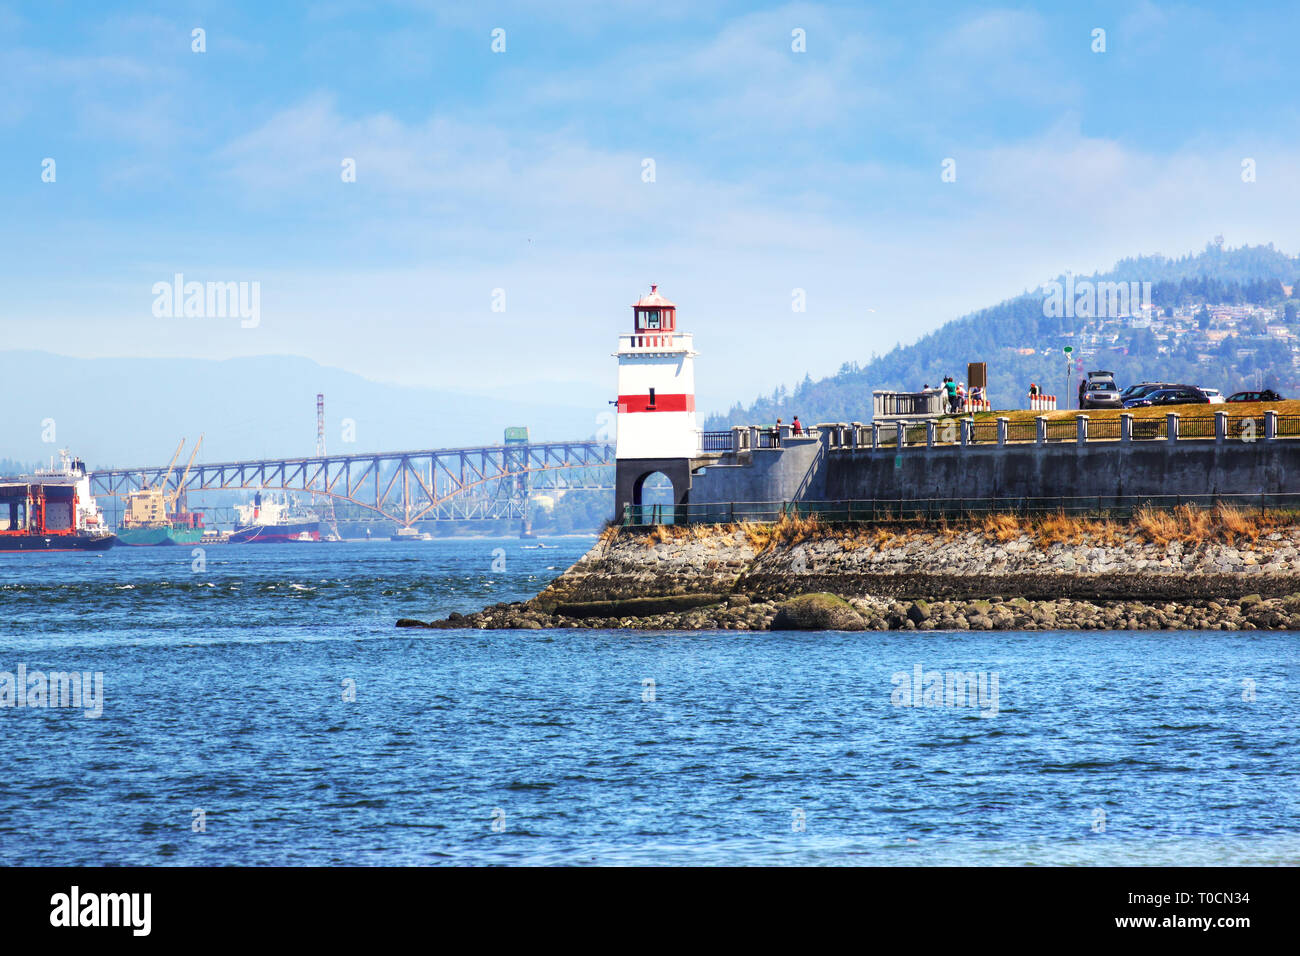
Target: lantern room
654, 313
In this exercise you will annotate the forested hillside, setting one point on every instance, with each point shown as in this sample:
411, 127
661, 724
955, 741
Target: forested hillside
1022, 344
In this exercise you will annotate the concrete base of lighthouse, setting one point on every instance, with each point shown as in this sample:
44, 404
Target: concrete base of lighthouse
629, 478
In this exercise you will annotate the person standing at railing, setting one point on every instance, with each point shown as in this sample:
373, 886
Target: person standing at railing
776, 434
796, 428
951, 388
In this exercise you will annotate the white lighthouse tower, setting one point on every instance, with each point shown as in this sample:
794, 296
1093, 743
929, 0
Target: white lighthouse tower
656, 402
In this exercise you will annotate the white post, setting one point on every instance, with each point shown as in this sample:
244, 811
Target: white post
1126, 426
1002, 430
1081, 426
1171, 426
1041, 437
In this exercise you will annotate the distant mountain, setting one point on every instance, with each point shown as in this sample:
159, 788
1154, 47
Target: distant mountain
1013, 336
127, 412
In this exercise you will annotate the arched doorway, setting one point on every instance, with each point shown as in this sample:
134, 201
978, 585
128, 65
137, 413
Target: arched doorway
651, 490
654, 499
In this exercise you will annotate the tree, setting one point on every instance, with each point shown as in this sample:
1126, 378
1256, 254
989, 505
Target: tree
1144, 343
1203, 318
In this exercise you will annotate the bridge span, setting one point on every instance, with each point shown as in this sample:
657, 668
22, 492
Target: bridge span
488, 482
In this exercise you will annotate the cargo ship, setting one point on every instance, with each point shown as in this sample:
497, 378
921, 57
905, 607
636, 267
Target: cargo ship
52, 510
173, 532
273, 522
155, 517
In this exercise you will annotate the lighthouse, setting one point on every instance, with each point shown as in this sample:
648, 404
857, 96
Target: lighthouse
656, 402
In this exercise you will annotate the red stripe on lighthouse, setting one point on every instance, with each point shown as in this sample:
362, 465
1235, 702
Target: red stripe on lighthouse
663, 403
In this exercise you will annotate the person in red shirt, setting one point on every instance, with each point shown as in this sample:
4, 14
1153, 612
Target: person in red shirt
795, 427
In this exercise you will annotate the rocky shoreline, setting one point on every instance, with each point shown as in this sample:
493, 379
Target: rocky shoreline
736, 613
1084, 575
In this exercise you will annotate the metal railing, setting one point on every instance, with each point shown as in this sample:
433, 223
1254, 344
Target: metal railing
1150, 429
651, 341
715, 441
1103, 428
921, 510
1080, 428
1022, 431
986, 432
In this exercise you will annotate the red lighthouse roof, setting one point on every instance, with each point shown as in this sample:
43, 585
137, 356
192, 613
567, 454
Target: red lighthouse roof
654, 313
654, 299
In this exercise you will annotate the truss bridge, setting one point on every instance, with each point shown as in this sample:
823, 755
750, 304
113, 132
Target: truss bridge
490, 482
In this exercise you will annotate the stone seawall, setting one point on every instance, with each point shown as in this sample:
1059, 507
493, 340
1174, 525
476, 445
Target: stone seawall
749, 577
1107, 471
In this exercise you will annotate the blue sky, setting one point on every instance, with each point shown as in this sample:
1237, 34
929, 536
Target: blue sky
774, 171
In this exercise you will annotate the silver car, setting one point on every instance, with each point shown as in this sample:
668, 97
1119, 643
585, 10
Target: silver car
1101, 391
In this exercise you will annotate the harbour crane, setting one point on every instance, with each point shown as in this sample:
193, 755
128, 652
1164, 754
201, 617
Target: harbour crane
180, 485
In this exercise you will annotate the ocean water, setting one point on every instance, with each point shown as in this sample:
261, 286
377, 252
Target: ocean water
227, 735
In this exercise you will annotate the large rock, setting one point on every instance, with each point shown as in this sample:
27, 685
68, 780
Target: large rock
817, 612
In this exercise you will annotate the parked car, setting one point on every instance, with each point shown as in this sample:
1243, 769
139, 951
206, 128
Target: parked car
1267, 395
1135, 393
1214, 395
1178, 395
1100, 391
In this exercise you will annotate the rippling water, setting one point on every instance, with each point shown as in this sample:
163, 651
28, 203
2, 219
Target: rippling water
224, 692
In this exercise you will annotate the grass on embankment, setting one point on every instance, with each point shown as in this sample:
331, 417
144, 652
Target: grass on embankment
1288, 407
1187, 524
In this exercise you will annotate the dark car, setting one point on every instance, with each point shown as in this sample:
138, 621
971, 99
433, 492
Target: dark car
1178, 395
1137, 393
1267, 395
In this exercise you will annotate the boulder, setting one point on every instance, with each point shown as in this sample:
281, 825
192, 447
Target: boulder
817, 612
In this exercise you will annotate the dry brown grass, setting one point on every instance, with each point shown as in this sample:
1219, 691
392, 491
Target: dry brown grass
757, 536
710, 534
1192, 525
1002, 527
1050, 528
1187, 523
1158, 526
1237, 523
794, 528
